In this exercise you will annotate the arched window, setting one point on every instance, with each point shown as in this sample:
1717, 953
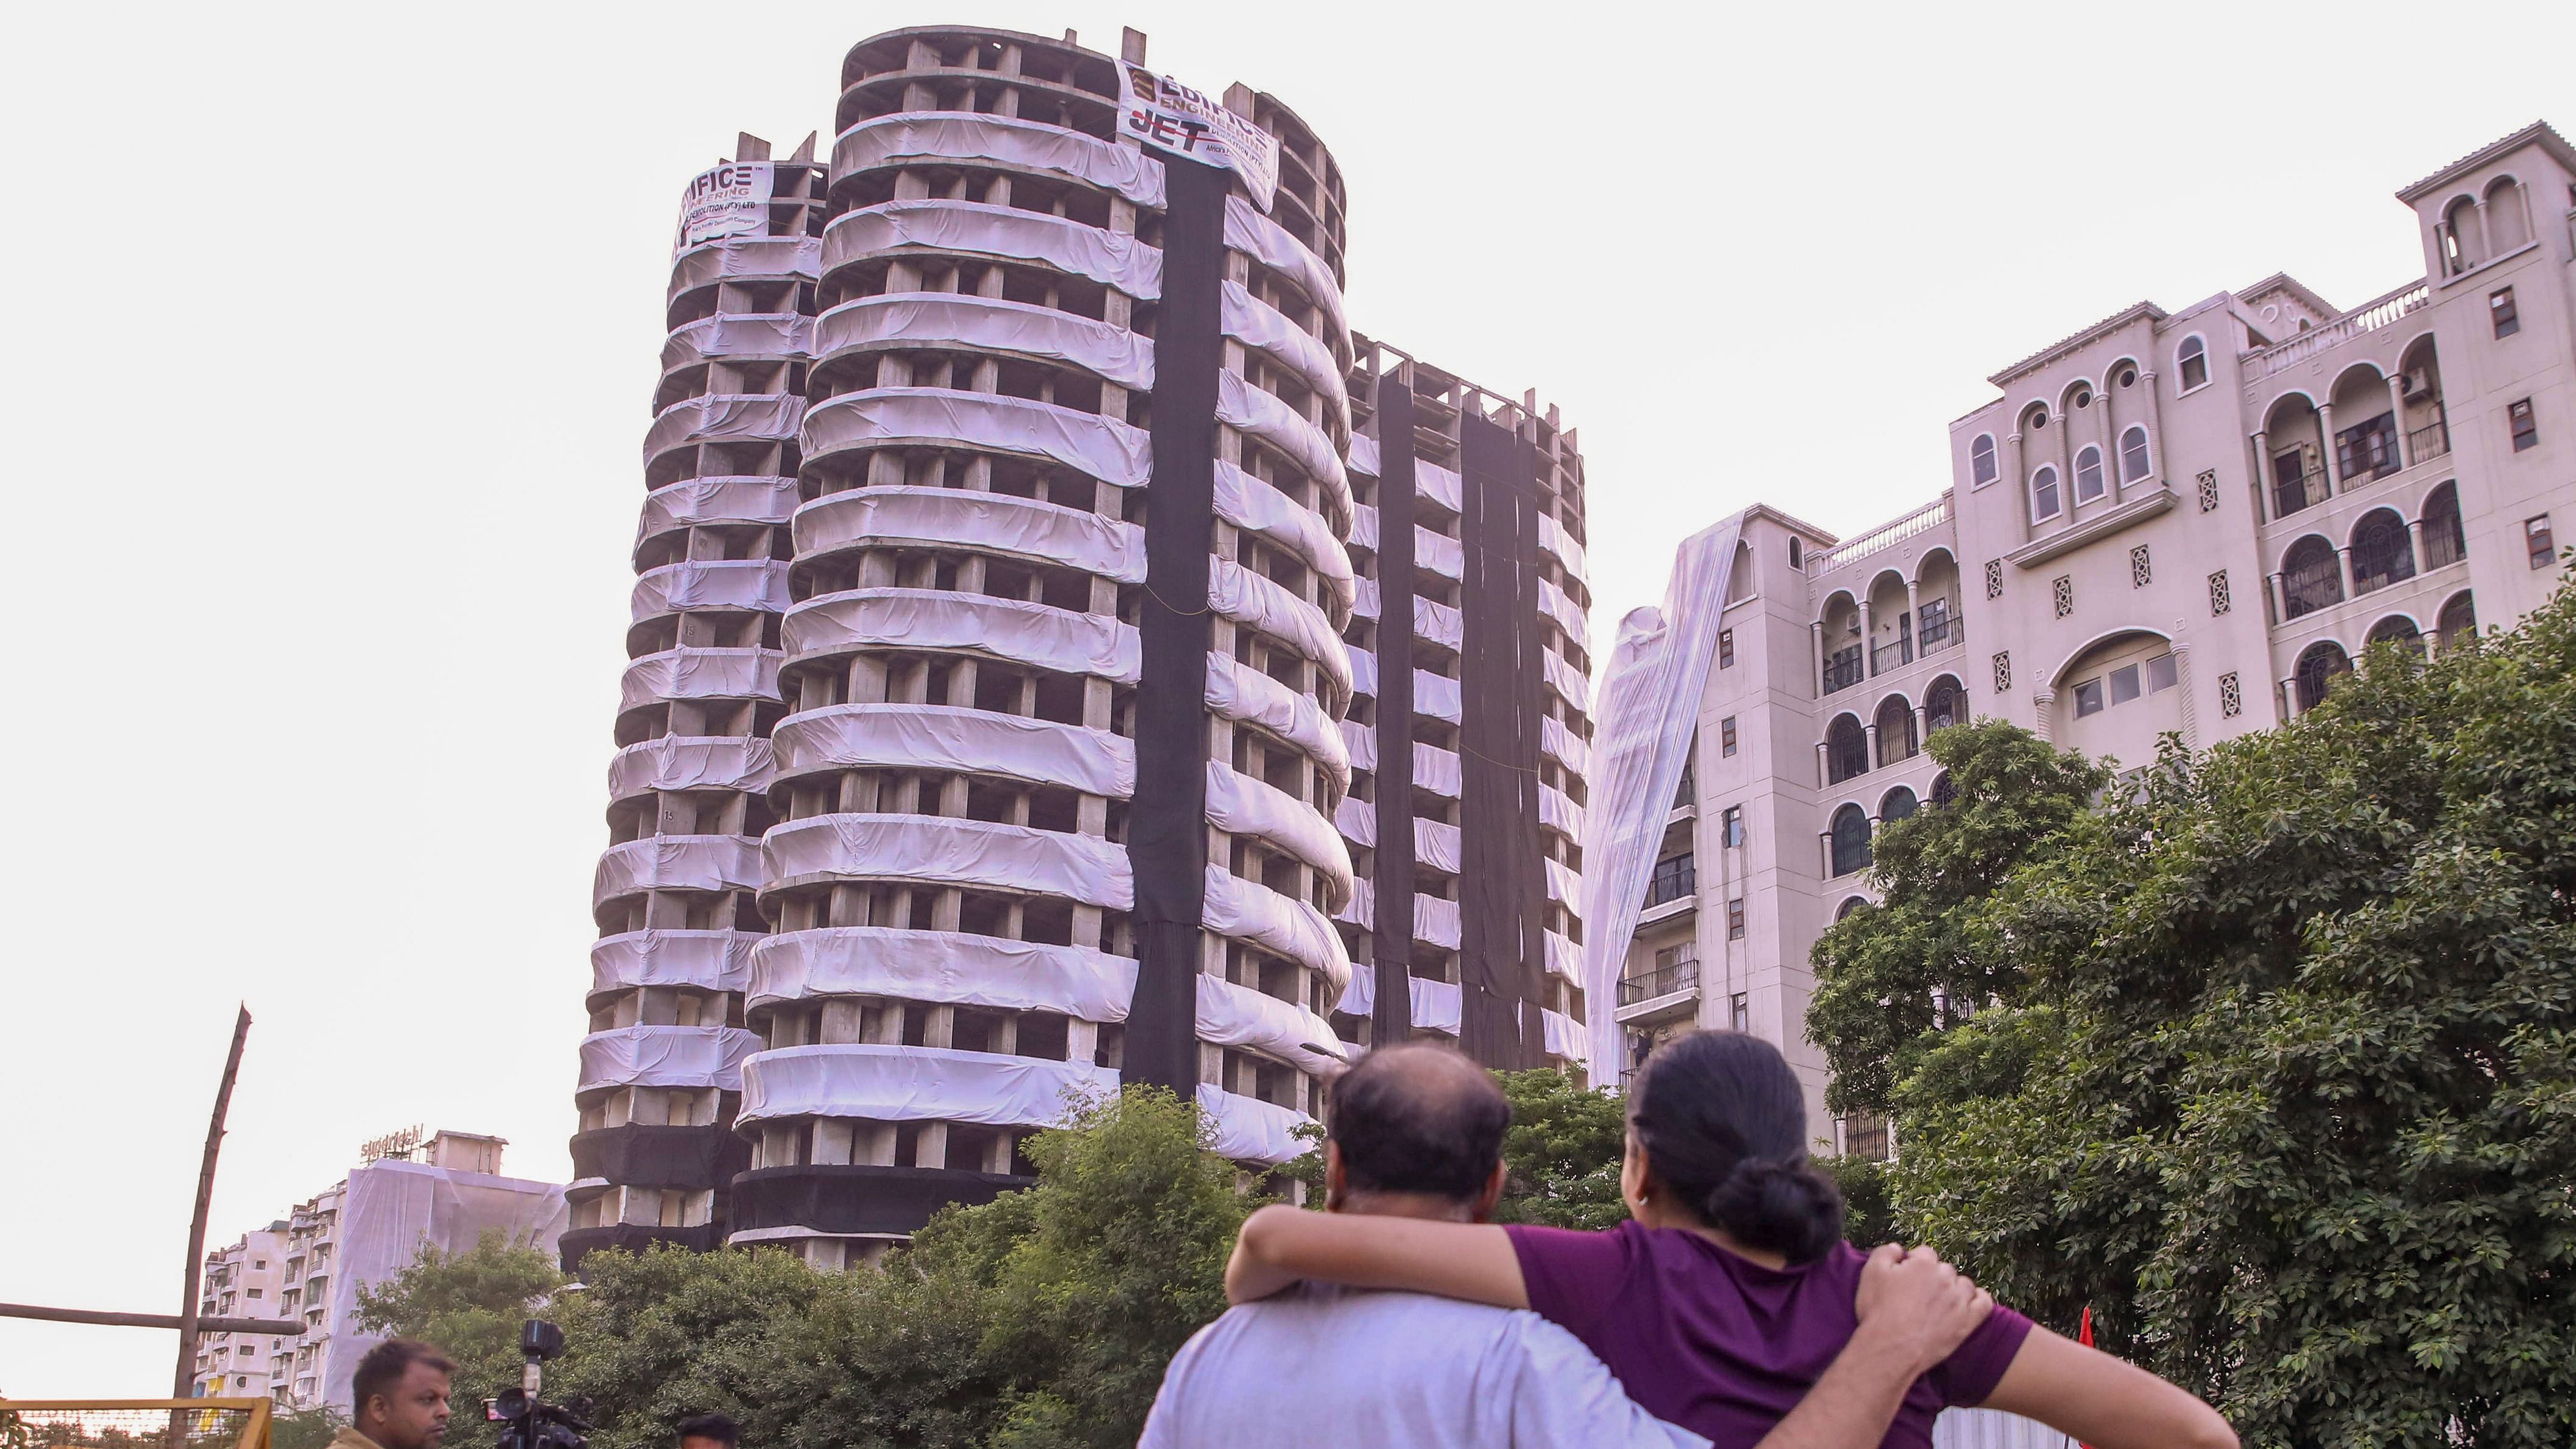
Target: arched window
2043, 494
1797, 552
2088, 474
1898, 804
2133, 455
2459, 241
1849, 905
1944, 705
2505, 215
2191, 363
1846, 750
1850, 840
2381, 552
2317, 668
1943, 792
1895, 731
2399, 630
1981, 460
2459, 620
2310, 578
2444, 542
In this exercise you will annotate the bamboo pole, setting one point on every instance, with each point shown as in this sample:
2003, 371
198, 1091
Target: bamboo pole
184, 1377
275, 1326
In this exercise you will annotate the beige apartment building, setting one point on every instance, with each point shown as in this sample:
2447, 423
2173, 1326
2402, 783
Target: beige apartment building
2182, 521
242, 1281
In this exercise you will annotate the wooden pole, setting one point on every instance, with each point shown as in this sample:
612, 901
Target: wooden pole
278, 1326
184, 1378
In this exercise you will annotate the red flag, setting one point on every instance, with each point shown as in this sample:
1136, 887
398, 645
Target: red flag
2084, 1336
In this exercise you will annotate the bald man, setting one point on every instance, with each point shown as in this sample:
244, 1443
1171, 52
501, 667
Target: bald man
1417, 1131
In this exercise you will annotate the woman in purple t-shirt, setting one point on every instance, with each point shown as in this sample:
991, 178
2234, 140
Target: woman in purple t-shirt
1730, 1289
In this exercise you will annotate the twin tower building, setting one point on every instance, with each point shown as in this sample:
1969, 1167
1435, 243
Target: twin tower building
1064, 654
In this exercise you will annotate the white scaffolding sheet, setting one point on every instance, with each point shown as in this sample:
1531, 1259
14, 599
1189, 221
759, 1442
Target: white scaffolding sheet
963, 319
1648, 712
665, 1056
889, 516
1010, 629
930, 137
930, 417
918, 1084
656, 956
700, 674
943, 850
1113, 259
946, 738
951, 967
689, 762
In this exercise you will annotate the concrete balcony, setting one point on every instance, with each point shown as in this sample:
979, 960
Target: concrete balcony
1657, 996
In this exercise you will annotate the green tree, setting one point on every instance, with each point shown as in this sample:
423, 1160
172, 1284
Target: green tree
1868, 1220
305, 1428
1881, 970
2287, 1090
468, 1305
1563, 1153
1042, 1319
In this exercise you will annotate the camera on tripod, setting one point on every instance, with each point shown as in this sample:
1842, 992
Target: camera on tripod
527, 1421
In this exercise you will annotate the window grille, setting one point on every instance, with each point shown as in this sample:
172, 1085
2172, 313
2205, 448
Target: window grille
1994, 578
2219, 603
2231, 699
2003, 671
2062, 589
2209, 490
2141, 573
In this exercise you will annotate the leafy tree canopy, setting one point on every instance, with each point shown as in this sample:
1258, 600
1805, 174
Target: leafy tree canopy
1042, 1319
1881, 970
2283, 1082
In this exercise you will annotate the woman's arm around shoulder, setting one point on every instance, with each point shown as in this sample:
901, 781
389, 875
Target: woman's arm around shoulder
2102, 1401
1280, 1245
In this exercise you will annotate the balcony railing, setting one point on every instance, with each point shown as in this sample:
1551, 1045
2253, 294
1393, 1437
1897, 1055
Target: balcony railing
1891, 655
1887, 535
1672, 880
2430, 441
1680, 976
2443, 546
1940, 633
2365, 318
2307, 490
1843, 670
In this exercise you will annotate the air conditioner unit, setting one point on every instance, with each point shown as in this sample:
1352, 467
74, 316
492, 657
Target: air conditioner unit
2417, 383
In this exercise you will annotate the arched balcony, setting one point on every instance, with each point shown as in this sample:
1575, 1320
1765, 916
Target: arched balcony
2382, 553
1843, 648
2293, 443
1943, 792
2419, 402
2311, 579
2365, 424
1897, 804
2399, 630
2445, 542
1846, 749
2316, 671
1896, 742
1848, 841
2458, 621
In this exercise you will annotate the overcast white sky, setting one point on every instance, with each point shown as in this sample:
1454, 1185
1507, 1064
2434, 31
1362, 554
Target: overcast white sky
337, 327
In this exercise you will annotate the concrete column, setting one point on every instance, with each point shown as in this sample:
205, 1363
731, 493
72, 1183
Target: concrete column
1913, 612
1825, 856
1824, 774
2190, 709
1871, 731
2280, 598
2486, 235
2289, 697
1868, 636
2262, 476
2155, 425
1922, 728
2415, 543
2019, 476
2326, 449
1816, 628
2397, 416
2343, 562
2044, 702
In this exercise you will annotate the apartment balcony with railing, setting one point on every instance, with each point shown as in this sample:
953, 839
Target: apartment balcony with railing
1675, 878
1844, 668
1669, 991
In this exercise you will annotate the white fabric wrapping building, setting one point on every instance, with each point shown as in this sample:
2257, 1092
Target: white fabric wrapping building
953, 790
311, 1264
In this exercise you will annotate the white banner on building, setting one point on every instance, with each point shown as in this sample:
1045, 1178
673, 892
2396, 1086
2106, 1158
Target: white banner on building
1169, 116
730, 200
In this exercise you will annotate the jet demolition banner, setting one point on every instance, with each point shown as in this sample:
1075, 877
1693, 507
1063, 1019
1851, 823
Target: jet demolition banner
1169, 116
731, 200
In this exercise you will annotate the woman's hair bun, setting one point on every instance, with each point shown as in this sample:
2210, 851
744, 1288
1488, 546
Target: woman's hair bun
1787, 1208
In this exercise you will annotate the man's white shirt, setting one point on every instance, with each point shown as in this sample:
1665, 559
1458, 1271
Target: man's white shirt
1343, 1368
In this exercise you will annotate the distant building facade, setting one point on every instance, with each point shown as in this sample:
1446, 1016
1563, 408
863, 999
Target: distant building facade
1023, 696
446, 1192
2188, 522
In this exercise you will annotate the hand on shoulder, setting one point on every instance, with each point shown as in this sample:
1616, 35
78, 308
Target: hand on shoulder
1913, 1305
